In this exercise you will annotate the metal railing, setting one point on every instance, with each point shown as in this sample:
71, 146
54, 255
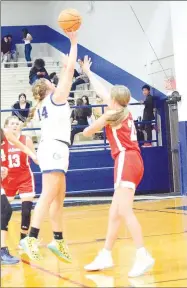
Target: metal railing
94, 145
20, 63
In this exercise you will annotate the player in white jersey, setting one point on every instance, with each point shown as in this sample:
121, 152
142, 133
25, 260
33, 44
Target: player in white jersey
53, 155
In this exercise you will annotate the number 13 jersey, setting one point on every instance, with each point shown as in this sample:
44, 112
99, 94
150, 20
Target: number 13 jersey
122, 138
13, 158
55, 120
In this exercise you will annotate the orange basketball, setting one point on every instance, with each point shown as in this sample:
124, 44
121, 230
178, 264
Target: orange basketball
69, 20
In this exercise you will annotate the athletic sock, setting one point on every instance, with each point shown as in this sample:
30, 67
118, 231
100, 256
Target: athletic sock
58, 235
34, 232
22, 236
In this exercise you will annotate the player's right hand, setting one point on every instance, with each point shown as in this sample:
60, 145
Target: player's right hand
4, 172
34, 158
72, 37
86, 64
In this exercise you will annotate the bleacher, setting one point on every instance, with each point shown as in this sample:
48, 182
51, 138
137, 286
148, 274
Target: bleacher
15, 80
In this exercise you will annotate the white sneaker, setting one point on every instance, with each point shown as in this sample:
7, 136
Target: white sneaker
101, 262
143, 263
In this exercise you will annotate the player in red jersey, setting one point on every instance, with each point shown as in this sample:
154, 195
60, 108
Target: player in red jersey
6, 210
20, 178
128, 172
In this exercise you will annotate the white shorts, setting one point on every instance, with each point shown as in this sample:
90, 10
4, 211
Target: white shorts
53, 156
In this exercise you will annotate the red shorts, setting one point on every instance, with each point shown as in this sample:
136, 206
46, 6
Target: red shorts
128, 169
22, 183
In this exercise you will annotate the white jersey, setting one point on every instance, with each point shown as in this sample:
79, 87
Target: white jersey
55, 120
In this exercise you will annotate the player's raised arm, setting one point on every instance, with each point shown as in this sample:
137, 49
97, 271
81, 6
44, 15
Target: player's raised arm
99, 88
65, 82
95, 126
10, 136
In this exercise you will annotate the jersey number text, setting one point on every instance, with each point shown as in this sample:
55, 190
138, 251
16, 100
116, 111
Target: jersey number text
44, 113
13, 160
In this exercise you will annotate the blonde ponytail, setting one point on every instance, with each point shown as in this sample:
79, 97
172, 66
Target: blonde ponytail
39, 90
114, 118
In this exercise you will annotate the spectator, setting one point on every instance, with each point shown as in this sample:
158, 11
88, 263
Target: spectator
27, 38
54, 78
5, 50
80, 115
148, 114
80, 79
97, 112
21, 104
86, 103
140, 134
13, 51
38, 71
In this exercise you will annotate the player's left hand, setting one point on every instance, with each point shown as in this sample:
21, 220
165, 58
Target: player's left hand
86, 64
34, 158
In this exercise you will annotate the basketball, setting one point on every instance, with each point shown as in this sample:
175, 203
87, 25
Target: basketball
69, 20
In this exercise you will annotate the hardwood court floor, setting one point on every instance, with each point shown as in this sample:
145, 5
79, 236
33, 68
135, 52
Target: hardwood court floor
165, 233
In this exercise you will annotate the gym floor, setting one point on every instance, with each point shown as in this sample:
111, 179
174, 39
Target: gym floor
164, 223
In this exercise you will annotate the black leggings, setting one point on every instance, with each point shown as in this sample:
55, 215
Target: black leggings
74, 85
74, 132
6, 212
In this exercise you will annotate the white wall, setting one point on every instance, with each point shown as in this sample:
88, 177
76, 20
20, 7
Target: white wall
113, 32
15, 13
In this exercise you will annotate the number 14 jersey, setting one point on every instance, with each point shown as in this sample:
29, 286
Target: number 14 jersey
55, 120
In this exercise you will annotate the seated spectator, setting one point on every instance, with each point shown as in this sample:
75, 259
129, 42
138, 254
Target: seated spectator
38, 71
80, 115
5, 50
21, 104
86, 103
82, 78
13, 51
97, 112
54, 78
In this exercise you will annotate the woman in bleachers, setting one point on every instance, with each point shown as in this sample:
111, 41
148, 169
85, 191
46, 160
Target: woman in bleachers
81, 78
80, 115
5, 50
38, 71
54, 78
27, 38
22, 104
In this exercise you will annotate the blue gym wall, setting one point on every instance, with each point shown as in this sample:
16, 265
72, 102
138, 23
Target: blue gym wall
183, 156
156, 177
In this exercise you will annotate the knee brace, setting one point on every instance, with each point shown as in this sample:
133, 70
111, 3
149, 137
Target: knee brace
6, 213
26, 215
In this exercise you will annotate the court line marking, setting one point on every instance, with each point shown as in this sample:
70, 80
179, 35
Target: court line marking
161, 211
53, 273
165, 281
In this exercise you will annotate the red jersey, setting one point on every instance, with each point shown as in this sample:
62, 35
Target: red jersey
13, 158
124, 138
